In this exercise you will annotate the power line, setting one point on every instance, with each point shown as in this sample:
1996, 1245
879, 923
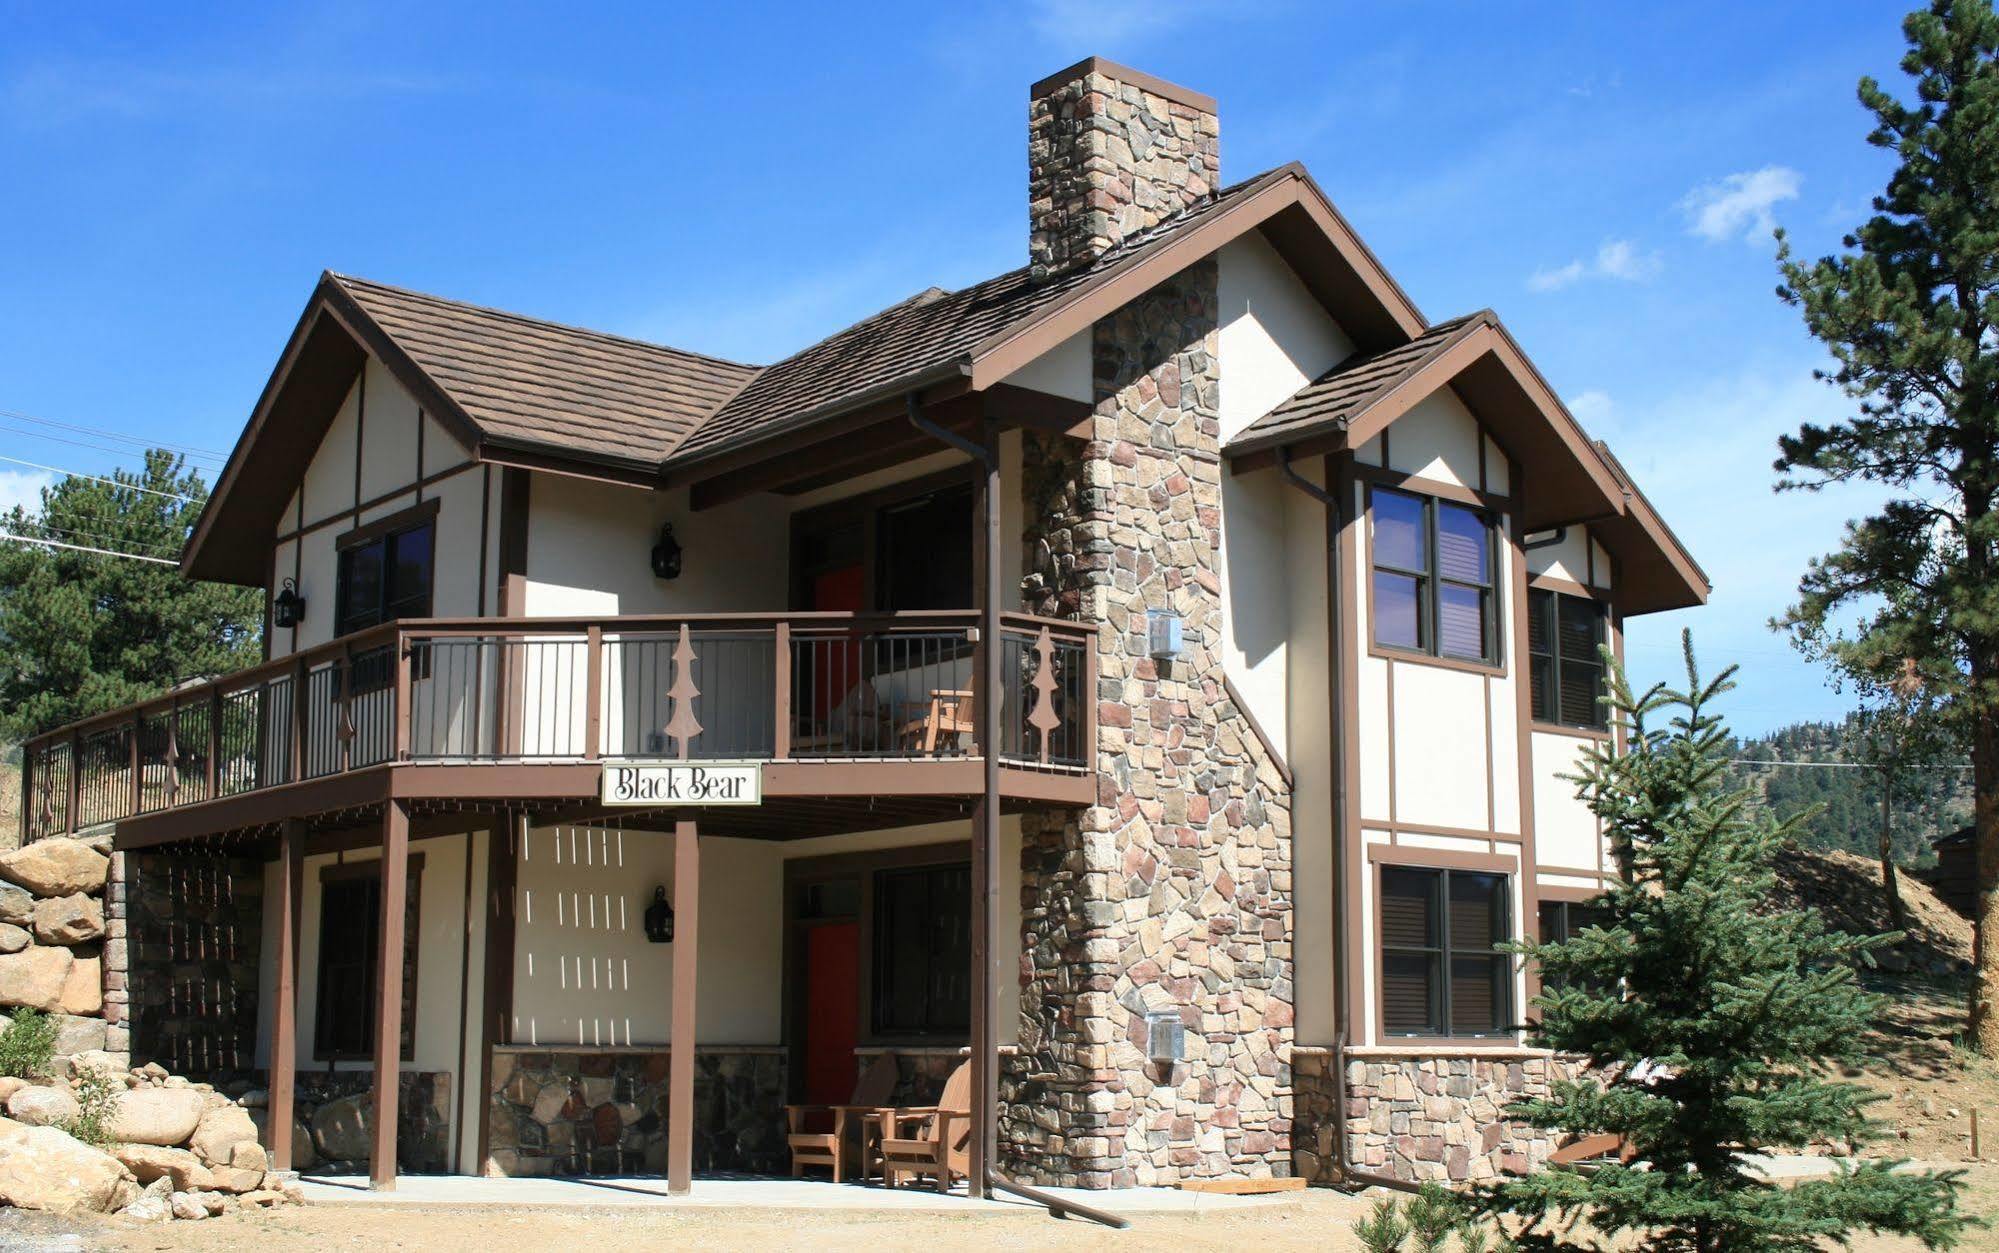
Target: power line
1834, 765
79, 533
80, 548
98, 478
208, 453
199, 463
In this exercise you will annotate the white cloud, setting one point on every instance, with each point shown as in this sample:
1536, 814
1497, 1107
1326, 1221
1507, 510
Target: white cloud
23, 488
1616, 259
1591, 407
1739, 206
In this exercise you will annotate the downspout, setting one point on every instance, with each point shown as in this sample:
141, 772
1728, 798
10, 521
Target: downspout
1336, 513
985, 870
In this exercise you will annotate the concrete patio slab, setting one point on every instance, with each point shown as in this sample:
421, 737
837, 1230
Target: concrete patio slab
445, 1191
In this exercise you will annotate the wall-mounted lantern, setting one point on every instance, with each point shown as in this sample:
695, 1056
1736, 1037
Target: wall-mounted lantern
1162, 635
1165, 1036
659, 917
288, 610
666, 554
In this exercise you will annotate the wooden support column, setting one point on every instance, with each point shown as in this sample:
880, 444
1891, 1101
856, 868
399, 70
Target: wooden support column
986, 830
284, 1013
389, 993
680, 1065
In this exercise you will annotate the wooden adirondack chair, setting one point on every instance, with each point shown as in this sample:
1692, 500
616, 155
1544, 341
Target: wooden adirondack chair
947, 722
827, 1147
930, 1141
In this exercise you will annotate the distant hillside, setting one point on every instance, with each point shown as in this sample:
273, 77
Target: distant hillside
1852, 798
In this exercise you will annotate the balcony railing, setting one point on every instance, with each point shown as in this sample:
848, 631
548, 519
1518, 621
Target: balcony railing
810, 686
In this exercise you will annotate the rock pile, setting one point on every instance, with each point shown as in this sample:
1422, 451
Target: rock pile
180, 1149
53, 937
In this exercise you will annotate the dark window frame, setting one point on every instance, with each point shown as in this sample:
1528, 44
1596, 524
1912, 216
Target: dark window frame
338, 883
1545, 665
1430, 582
1441, 951
386, 536
1567, 924
931, 950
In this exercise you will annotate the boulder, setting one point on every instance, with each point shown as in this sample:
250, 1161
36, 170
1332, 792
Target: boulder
186, 1206
264, 1196
150, 1163
83, 990
47, 1169
95, 1059
12, 938
304, 1156
215, 1138
163, 1116
56, 867
342, 1130
9, 1085
17, 905
250, 1155
148, 1209
42, 1107
75, 1033
9, 1128
235, 1179
72, 919
35, 977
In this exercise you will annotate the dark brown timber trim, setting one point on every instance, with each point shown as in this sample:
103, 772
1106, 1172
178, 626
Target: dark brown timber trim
680, 1061
389, 995
401, 519
284, 1010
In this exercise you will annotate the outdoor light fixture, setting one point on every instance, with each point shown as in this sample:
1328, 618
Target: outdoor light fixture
288, 610
666, 554
659, 917
1162, 634
1165, 1036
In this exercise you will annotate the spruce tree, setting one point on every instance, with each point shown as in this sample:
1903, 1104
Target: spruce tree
1706, 1020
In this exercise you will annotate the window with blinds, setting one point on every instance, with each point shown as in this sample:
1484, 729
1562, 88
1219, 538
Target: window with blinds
1561, 920
1440, 975
1434, 587
1565, 677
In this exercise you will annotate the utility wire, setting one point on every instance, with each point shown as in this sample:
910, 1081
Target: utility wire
198, 463
79, 533
5, 537
207, 453
1834, 765
98, 478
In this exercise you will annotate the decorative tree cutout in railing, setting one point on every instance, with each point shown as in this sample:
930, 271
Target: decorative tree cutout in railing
1043, 717
46, 789
683, 726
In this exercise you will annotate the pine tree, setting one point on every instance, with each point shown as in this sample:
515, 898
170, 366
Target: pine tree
1706, 1020
82, 632
1910, 313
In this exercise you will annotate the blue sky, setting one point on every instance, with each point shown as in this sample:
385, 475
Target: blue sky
743, 180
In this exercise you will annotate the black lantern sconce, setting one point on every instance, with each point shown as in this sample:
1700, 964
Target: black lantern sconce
659, 917
666, 554
288, 610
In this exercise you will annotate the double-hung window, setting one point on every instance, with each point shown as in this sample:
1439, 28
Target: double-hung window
1440, 973
1434, 587
1561, 920
1566, 671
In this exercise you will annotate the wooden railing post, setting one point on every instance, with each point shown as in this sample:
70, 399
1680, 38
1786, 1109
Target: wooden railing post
138, 761
215, 742
343, 729
399, 717
299, 676
29, 777
75, 782
593, 695
780, 748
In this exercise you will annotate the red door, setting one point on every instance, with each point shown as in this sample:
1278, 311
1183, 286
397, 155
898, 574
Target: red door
832, 1011
836, 662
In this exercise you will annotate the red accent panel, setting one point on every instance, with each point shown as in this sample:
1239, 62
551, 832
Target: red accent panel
832, 1011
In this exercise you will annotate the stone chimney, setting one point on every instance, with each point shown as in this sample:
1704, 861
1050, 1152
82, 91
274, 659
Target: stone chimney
1110, 152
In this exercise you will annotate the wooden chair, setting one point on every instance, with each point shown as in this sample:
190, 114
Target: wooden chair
828, 1147
931, 1141
949, 718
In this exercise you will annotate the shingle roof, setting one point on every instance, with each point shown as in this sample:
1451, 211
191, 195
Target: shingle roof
920, 336
1343, 392
521, 379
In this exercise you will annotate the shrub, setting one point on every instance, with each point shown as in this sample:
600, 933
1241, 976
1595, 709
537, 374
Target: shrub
28, 1045
97, 1092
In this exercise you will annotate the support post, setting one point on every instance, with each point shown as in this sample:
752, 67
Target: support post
780, 748
389, 993
680, 1064
284, 1014
985, 831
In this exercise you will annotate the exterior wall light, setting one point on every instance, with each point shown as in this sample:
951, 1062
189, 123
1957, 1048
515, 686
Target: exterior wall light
288, 610
666, 554
1165, 1036
1162, 635
659, 917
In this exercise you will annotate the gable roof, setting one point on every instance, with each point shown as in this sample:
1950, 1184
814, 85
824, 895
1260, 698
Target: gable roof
1331, 401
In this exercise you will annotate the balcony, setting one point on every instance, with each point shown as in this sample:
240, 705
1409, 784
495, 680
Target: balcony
465, 711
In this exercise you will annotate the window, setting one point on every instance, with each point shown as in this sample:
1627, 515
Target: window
384, 577
1566, 679
1560, 920
1439, 973
923, 950
350, 919
1434, 588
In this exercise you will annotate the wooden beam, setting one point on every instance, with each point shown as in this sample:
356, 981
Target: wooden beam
389, 993
496, 1020
680, 1065
284, 1010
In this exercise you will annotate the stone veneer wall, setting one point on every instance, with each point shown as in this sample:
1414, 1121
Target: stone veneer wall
181, 959
334, 1107
1423, 1118
604, 1113
1106, 160
1174, 890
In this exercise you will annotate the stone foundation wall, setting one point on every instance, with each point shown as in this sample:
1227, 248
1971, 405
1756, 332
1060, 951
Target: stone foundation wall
182, 956
556, 1113
55, 913
332, 1112
1422, 1118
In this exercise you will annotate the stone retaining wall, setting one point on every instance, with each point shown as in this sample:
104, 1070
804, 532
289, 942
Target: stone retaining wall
556, 1113
52, 941
333, 1108
1421, 1118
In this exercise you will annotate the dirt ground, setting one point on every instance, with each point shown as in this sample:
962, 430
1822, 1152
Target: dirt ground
1319, 1221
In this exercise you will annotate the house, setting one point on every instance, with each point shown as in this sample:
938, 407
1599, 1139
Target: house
1151, 669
